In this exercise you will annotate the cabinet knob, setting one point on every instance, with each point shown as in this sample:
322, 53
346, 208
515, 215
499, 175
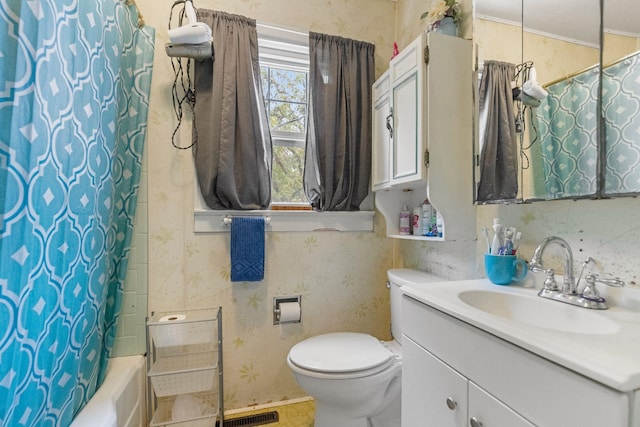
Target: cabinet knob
475, 422
451, 404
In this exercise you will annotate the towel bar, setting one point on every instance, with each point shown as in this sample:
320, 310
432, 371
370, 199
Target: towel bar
227, 220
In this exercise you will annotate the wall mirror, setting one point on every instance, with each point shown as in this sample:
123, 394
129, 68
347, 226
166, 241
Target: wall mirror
562, 152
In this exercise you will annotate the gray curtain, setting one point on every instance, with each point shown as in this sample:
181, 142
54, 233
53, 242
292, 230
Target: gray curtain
233, 148
498, 144
338, 146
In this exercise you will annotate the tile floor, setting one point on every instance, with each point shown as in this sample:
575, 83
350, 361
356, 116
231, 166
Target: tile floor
292, 415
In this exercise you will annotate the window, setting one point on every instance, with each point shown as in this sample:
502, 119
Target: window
284, 68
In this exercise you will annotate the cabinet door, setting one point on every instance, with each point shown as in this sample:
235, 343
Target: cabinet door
407, 87
406, 165
381, 138
487, 411
433, 394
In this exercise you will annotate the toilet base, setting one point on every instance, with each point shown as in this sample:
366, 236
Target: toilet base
327, 415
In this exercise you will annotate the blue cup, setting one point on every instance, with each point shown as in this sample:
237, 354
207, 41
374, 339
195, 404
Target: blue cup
502, 269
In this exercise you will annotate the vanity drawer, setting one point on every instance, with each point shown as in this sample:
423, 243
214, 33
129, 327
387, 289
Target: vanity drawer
541, 391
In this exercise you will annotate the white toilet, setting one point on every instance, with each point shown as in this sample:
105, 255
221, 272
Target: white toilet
354, 378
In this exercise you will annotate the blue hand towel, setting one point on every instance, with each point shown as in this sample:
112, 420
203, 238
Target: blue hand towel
247, 249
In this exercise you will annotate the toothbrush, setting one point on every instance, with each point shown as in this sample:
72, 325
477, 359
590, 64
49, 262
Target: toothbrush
486, 237
508, 242
516, 242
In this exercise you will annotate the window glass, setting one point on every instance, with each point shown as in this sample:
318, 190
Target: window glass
284, 72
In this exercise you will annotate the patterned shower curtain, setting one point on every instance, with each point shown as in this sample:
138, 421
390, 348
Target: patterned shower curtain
565, 126
74, 90
621, 86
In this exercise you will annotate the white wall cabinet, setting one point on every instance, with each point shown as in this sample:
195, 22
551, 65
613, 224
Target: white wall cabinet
492, 381
422, 134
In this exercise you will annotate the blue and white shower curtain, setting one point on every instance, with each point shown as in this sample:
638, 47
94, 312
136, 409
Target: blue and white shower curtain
565, 127
74, 90
621, 107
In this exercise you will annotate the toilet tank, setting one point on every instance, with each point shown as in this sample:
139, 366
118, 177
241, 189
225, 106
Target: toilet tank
397, 278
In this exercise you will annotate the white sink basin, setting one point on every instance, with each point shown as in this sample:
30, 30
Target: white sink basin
600, 344
535, 311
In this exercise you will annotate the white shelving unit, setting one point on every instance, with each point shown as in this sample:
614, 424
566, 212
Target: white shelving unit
422, 135
184, 368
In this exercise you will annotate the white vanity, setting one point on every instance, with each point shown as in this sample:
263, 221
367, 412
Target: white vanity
477, 354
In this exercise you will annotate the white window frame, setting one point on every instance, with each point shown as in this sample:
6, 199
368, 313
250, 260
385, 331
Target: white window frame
291, 45
281, 48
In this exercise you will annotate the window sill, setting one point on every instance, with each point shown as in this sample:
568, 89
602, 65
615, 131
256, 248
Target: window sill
210, 221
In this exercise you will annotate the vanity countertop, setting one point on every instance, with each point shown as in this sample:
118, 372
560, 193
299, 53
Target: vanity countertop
608, 352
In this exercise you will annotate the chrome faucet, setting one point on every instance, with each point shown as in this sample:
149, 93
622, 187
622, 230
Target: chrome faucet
588, 298
535, 265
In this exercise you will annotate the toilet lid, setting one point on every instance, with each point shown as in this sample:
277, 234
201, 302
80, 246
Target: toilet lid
340, 352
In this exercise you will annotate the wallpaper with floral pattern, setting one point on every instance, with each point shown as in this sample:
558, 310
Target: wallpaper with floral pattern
341, 276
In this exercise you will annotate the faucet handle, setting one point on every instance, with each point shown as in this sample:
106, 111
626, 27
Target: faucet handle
614, 282
590, 291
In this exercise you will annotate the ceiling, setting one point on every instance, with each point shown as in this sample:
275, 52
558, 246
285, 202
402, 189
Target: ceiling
574, 20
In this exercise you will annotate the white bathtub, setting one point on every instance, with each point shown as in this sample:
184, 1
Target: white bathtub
120, 401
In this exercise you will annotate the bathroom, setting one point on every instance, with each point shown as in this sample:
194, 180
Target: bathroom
341, 276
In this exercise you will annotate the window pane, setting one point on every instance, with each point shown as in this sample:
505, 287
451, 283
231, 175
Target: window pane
286, 179
287, 85
287, 116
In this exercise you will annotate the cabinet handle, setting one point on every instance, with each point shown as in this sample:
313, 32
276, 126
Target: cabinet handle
389, 125
451, 404
475, 422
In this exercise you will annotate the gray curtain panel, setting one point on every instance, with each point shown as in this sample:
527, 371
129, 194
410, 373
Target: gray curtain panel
498, 144
338, 146
233, 149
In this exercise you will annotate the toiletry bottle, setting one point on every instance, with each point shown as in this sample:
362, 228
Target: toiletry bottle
405, 221
433, 222
416, 221
496, 243
439, 224
426, 217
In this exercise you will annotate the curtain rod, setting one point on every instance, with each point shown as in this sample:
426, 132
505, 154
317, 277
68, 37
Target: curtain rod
577, 73
140, 17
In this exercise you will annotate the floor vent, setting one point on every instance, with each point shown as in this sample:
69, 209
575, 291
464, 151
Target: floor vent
252, 420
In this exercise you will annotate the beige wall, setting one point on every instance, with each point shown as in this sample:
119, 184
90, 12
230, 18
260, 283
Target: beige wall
341, 276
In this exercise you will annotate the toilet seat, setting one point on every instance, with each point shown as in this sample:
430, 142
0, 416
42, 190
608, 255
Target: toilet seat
341, 355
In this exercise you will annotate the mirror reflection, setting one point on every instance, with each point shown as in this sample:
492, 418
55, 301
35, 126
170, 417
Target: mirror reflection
555, 49
621, 96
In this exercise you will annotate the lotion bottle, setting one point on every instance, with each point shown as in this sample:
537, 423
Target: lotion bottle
416, 221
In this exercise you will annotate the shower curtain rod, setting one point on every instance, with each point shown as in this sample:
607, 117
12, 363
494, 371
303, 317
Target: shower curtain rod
569, 76
577, 73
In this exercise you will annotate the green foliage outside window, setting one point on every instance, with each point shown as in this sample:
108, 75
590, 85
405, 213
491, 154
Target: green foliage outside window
285, 93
